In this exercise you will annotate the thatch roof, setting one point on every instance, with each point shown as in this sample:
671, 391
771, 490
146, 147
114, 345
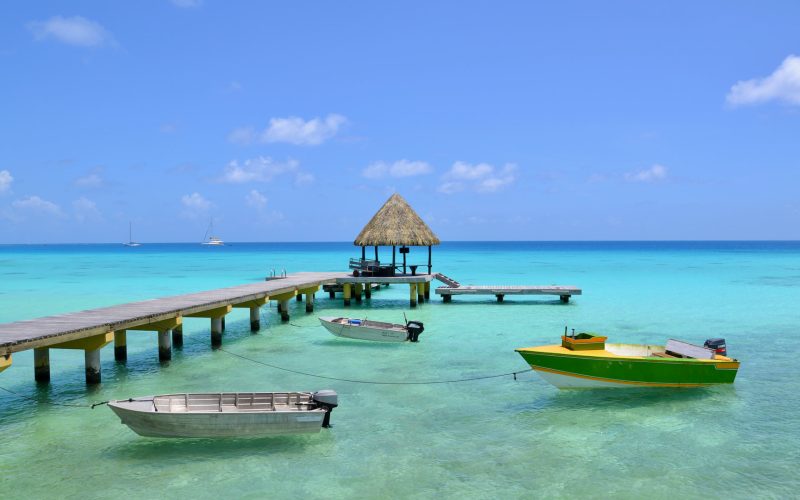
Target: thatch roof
396, 223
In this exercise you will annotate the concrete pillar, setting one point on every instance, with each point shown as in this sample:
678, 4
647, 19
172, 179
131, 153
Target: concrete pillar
284, 309
421, 293
223, 323
427, 291
92, 359
499, 297
346, 293
412, 287
177, 337
359, 288
299, 297
309, 302
164, 345
368, 291
564, 299
255, 318
331, 295
121, 345
41, 364
216, 331
447, 298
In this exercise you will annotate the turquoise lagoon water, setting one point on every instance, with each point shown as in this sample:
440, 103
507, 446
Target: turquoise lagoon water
497, 438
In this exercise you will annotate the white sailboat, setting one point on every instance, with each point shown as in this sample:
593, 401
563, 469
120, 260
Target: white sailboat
209, 239
130, 242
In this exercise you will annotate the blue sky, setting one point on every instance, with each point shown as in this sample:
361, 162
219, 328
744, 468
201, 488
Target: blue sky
294, 121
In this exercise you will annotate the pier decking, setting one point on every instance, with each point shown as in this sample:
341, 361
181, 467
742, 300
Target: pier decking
92, 329
500, 291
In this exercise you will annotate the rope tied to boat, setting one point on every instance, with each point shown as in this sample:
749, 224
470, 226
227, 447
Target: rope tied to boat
52, 403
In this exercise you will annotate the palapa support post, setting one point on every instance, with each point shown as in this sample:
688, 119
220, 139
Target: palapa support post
121, 346
255, 318
41, 364
164, 345
92, 360
310, 302
499, 297
412, 287
346, 293
427, 291
564, 299
177, 337
367, 291
216, 331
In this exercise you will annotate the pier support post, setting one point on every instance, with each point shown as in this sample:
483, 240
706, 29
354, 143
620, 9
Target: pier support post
359, 288
331, 295
500, 297
447, 298
284, 308
41, 364
121, 345
564, 299
255, 318
309, 302
299, 297
177, 337
346, 293
223, 323
368, 291
421, 293
412, 287
164, 345
427, 291
92, 360
216, 331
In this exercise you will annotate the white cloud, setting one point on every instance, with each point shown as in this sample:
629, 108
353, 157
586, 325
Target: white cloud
242, 135
93, 179
400, 168
85, 209
652, 174
782, 85
256, 200
261, 169
5, 180
194, 205
295, 130
481, 177
36, 204
303, 178
187, 4
74, 30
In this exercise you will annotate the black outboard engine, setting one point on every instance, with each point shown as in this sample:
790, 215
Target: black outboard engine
327, 399
718, 345
414, 329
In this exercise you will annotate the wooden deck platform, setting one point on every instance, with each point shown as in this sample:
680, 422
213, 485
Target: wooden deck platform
500, 291
92, 329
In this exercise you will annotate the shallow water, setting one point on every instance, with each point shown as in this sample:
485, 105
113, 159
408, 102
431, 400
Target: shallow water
482, 439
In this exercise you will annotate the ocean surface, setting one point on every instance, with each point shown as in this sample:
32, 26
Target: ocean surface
494, 438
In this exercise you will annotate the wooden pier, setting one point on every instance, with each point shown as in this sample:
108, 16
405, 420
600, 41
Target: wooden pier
90, 330
500, 291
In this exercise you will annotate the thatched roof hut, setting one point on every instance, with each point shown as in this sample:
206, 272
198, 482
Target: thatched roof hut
395, 224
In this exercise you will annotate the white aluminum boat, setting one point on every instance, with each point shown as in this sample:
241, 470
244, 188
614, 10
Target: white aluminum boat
378, 331
228, 414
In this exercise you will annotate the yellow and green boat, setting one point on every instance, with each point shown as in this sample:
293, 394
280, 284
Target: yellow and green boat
585, 360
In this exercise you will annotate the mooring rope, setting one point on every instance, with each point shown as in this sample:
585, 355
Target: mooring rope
52, 403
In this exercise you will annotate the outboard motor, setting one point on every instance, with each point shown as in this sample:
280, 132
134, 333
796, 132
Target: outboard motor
327, 399
414, 329
718, 345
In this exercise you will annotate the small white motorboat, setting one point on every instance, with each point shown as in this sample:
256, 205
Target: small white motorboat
363, 329
227, 414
